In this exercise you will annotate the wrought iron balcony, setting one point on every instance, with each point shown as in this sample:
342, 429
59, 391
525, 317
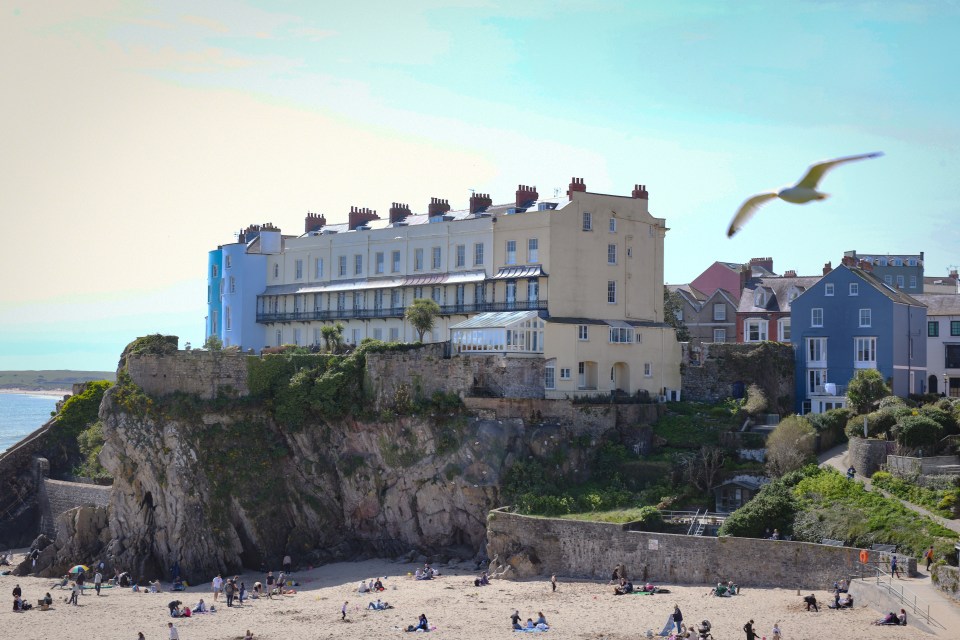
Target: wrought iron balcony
396, 312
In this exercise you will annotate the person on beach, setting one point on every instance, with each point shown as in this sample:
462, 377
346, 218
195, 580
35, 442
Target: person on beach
74, 593
229, 589
894, 569
81, 578
928, 556
748, 629
811, 601
553, 582
677, 616
174, 606
515, 619
201, 607
902, 618
97, 581
248, 635
287, 563
775, 634
140, 636
343, 610
217, 586
174, 634
541, 619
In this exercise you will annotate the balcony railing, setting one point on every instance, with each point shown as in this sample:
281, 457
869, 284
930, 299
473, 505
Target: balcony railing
830, 389
397, 312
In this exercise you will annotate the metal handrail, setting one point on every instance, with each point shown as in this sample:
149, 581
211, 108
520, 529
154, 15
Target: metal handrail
902, 594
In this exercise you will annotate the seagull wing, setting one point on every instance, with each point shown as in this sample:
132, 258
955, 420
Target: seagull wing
816, 172
747, 209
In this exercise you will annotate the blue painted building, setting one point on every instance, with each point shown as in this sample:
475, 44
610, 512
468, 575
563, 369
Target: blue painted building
236, 275
852, 320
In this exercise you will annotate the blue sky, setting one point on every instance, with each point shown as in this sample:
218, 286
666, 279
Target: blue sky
140, 135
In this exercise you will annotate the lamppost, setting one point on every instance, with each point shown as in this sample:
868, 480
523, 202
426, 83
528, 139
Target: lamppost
946, 384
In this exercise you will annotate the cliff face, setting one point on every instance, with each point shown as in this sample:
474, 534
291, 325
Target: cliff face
216, 490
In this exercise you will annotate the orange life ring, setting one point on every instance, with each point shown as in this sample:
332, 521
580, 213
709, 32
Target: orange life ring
864, 556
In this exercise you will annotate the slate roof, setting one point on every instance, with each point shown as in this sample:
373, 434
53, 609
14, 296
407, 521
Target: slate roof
889, 291
940, 304
777, 289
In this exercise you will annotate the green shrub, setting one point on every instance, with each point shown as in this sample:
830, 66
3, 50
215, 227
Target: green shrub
944, 418
866, 389
774, 507
892, 401
756, 400
918, 431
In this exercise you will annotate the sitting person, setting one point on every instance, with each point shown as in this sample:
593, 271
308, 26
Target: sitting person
155, 586
902, 618
890, 618
846, 601
529, 624
482, 581
540, 619
174, 606
422, 624
732, 589
257, 589
178, 584
649, 588
201, 607
17, 603
47, 599
64, 581
720, 590
378, 586
363, 588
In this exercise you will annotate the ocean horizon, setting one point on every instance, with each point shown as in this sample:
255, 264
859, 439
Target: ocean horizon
23, 413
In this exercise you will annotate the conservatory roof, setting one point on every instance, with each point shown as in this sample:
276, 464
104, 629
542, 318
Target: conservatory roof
495, 319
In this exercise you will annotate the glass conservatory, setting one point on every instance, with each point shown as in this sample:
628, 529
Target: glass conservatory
503, 332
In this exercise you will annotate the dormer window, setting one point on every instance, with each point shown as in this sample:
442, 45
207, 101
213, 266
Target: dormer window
759, 298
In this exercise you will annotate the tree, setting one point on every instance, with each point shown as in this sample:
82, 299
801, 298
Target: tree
213, 343
866, 389
774, 507
332, 336
702, 469
421, 314
790, 446
673, 314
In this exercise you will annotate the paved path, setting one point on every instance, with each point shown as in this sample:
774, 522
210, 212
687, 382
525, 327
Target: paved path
942, 609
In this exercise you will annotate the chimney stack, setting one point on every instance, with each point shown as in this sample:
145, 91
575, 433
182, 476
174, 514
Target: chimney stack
526, 196
953, 273
640, 191
398, 211
437, 207
576, 184
745, 273
358, 217
849, 261
766, 263
790, 274
866, 266
313, 222
479, 202
827, 267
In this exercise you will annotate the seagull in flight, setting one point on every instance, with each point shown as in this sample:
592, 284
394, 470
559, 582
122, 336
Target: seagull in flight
801, 193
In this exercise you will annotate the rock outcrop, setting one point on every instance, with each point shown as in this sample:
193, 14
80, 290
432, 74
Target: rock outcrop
83, 534
215, 490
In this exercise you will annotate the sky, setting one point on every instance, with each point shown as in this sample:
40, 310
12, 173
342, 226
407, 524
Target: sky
138, 136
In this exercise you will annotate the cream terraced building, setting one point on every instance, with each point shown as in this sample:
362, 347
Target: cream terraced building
576, 280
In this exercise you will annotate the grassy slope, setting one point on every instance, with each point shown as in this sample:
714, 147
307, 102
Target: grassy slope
50, 378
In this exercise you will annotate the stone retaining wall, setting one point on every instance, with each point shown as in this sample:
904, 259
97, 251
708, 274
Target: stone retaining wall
709, 375
867, 455
947, 579
57, 497
591, 418
543, 546
203, 373
933, 465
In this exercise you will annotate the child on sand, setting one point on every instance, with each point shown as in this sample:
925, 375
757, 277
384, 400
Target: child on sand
343, 610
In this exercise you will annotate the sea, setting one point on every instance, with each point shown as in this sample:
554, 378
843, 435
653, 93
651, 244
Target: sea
21, 414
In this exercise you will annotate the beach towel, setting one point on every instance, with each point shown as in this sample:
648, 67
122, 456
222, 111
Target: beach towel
667, 628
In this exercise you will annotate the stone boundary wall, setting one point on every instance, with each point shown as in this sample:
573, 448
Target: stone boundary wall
868, 455
947, 579
543, 546
57, 497
591, 418
203, 373
709, 375
427, 370
906, 465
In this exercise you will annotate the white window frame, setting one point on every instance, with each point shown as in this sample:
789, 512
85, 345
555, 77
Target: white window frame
395, 262
816, 317
611, 292
720, 335
318, 268
613, 225
227, 319
783, 329
901, 282
762, 325
722, 315
418, 259
533, 250
866, 318
828, 289
865, 352
233, 284
394, 334
229, 261
436, 258
461, 259
379, 262
587, 221
854, 289
357, 264
913, 282
298, 269
816, 347
276, 270
816, 379
583, 332
622, 335
342, 266
611, 253
511, 252
647, 369
478, 254
565, 373
550, 376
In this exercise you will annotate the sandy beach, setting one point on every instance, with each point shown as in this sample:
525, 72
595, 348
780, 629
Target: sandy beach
579, 609
58, 393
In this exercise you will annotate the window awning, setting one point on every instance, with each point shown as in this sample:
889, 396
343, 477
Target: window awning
620, 324
529, 271
421, 281
497, 319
